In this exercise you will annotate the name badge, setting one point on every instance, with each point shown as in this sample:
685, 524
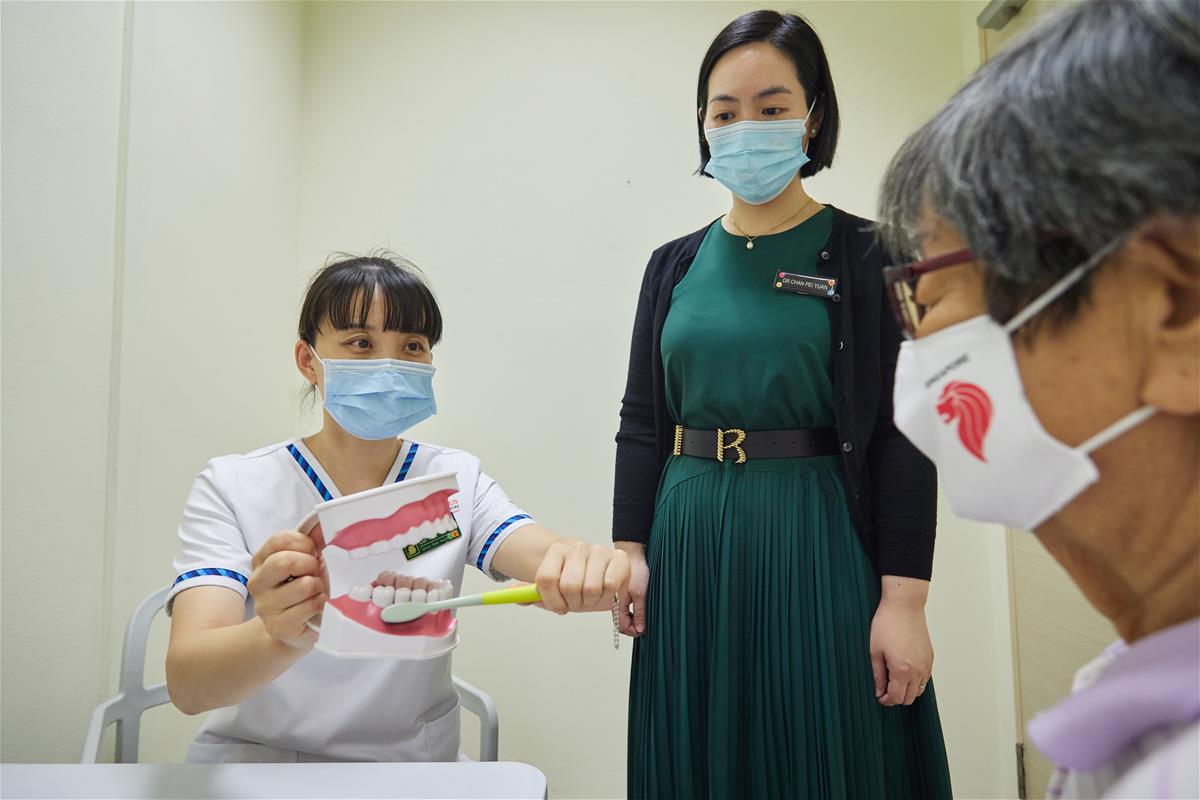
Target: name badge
425, 545
805, 284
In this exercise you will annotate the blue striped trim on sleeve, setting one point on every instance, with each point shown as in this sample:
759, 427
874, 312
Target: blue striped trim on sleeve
310, 472
499, 530
217, 571
408, 462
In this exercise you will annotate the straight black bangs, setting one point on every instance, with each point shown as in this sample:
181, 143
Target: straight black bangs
341, 293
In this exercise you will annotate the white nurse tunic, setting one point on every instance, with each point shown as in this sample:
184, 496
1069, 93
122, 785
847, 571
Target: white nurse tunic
325, 707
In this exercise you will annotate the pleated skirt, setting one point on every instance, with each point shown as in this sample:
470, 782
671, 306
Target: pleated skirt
753, 678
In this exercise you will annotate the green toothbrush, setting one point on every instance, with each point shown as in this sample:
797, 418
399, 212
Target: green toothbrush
407, 612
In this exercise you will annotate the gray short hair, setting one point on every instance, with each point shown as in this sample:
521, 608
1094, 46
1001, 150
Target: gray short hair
1087, 125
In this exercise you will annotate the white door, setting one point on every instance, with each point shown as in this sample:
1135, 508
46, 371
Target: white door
1055, 632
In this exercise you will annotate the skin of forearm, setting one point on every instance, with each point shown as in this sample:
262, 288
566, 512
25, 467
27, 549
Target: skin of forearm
910, 592
521, 554
219, 667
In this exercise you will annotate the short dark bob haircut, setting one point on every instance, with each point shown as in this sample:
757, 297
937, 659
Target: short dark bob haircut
341, 293
796, 39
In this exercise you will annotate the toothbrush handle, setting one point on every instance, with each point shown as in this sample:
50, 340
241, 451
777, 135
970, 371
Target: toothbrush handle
517, 594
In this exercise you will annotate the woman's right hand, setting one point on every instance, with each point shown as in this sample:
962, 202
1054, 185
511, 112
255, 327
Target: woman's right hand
289, 585
632, 619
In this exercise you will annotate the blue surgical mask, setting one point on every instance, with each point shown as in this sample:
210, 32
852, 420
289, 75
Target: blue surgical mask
377, 398
756, 160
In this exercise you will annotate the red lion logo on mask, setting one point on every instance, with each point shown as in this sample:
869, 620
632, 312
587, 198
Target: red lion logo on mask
971, 406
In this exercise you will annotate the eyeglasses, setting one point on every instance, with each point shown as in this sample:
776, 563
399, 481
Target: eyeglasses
901, 282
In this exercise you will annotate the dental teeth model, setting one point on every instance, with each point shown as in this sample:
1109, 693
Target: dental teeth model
365, 538
391, 588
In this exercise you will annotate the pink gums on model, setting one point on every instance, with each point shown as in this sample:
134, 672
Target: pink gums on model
369, 531
366, 613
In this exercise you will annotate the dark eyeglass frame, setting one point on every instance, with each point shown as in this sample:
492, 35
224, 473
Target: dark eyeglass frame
906, 275
909, 273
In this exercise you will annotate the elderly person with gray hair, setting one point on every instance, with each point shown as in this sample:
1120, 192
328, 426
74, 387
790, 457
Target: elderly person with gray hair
1052, 370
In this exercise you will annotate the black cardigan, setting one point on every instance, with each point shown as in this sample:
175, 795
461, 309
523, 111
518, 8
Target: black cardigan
892, 488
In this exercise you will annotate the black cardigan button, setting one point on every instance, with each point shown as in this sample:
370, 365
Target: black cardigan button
837, 298
847, 447
825, 255
841, 345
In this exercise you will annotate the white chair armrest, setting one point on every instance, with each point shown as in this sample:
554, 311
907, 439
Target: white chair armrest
95, 732
479, 703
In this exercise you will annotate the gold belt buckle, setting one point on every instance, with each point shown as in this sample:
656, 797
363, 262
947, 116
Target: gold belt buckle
678, 440
722, 447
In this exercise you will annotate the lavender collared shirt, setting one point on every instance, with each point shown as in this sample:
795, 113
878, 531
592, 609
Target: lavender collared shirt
1132, 726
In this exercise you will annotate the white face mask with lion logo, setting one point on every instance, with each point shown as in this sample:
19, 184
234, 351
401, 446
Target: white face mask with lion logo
959, 398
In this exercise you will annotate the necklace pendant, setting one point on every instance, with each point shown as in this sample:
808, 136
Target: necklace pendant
749, 245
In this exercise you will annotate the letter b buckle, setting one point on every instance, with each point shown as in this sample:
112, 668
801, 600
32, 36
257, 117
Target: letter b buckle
734, 445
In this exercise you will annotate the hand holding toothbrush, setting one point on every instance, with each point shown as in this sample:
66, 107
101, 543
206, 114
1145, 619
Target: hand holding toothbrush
574, 576
570, 574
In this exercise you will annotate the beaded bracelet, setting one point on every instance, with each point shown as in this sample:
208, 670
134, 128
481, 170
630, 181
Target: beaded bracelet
616, 610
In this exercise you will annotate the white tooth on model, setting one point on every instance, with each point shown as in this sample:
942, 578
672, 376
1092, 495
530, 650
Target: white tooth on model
403, 596
359, 553
379, 548
360, 593
418, 596
383, 596
397, 541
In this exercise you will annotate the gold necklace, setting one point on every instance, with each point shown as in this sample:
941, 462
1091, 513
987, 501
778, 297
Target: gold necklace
750, 239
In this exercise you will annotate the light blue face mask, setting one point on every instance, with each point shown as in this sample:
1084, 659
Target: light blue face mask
377, 398
757, 159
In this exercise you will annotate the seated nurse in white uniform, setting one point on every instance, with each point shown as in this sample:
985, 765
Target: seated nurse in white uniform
247, 583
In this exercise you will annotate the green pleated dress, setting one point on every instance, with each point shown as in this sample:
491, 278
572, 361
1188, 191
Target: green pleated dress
753, 678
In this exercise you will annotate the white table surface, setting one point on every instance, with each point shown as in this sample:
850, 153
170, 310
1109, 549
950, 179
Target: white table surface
341, 780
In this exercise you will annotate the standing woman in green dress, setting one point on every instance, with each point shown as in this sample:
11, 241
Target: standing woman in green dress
780, 527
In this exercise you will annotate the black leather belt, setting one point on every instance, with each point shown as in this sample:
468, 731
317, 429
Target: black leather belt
741, 446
